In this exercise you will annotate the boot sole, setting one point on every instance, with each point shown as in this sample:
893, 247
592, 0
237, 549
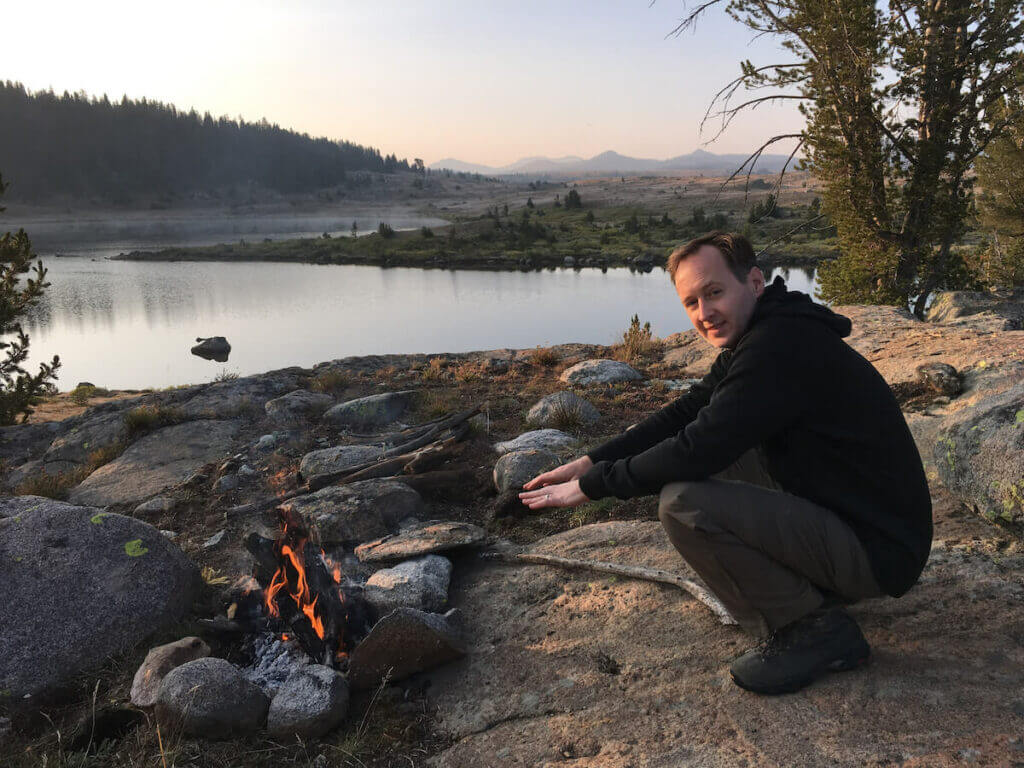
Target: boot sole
839, 665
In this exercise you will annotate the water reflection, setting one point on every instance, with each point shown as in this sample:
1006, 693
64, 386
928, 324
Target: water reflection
131, 324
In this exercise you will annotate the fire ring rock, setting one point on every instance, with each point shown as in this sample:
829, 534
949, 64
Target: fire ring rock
80, 585
210, 698
312, 702
515, 469
357, 512
159, 662
421, 583
405, 642
424, 539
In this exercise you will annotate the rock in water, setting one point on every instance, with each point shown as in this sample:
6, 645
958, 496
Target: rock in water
549, 439
422, 539
373, 412
212, 348
600, 372
357, 512
514, 469
296, 406
405, 642
312, 702
80, 585
210, 698
558, 408
161, 660
421, 583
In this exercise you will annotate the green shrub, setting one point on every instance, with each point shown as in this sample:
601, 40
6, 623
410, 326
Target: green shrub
636, 341
81, 394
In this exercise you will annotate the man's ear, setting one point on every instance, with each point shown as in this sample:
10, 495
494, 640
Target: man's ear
756, 281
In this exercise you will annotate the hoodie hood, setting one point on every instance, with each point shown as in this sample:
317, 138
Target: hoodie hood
777, 301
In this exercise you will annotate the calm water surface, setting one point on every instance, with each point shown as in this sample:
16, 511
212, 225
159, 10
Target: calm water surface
130, 324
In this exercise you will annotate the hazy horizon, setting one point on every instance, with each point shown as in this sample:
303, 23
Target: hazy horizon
458, 80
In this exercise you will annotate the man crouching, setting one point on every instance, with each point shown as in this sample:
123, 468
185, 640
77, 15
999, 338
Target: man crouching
788, 478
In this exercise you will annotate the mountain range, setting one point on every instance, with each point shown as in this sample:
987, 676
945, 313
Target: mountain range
613, 162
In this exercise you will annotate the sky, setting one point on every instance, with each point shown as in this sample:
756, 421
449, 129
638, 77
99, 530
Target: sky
478, 80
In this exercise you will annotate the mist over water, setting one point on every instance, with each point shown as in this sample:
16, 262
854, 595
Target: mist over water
123, 324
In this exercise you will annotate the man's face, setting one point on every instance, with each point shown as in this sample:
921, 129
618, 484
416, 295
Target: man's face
719, 305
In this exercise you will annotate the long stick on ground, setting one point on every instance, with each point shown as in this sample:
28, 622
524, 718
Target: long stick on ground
632, 572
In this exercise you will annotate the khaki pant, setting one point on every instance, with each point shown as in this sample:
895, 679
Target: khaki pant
769, 556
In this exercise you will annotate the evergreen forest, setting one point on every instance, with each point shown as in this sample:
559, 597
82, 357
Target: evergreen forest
123, 152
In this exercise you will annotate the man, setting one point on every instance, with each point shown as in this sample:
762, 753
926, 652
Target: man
788, 478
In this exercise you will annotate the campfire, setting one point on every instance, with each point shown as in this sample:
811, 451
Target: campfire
297, 595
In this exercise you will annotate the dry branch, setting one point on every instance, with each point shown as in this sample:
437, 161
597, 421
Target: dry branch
640, 572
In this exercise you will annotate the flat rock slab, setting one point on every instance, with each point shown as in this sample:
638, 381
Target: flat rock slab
549, 439
80, 585
405, 642
337, 459
296, 406
423, 539
619, 672
372, 412
600, 372
357, 512
164, 458
979, 455
92, 432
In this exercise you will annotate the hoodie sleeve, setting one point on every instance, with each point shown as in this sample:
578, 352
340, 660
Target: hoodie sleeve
767, 387
666, 422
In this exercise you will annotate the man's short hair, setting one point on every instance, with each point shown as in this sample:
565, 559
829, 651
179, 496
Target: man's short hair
735, 249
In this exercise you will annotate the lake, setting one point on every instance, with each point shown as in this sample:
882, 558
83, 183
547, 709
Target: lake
129, 325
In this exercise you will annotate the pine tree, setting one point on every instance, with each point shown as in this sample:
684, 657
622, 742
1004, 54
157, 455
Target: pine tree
1000, 261
18, 388
896, 100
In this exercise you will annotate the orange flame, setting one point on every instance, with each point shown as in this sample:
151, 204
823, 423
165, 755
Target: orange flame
304, 599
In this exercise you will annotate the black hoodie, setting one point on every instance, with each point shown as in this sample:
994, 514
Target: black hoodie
831, 431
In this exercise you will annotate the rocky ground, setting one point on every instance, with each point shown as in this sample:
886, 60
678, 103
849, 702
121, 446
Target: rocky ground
561, 668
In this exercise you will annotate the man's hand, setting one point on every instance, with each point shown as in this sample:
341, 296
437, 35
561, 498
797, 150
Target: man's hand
563, 474
561, 495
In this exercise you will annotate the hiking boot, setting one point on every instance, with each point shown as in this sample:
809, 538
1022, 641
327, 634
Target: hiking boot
825, 640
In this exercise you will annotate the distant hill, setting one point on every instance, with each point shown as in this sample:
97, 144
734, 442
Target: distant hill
613, 162
73, 146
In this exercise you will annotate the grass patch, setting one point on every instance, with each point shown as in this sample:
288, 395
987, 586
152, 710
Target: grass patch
435, 403
468, 372
435, 369
146, 418
566, 416
330, 382
544, 356
225, 375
